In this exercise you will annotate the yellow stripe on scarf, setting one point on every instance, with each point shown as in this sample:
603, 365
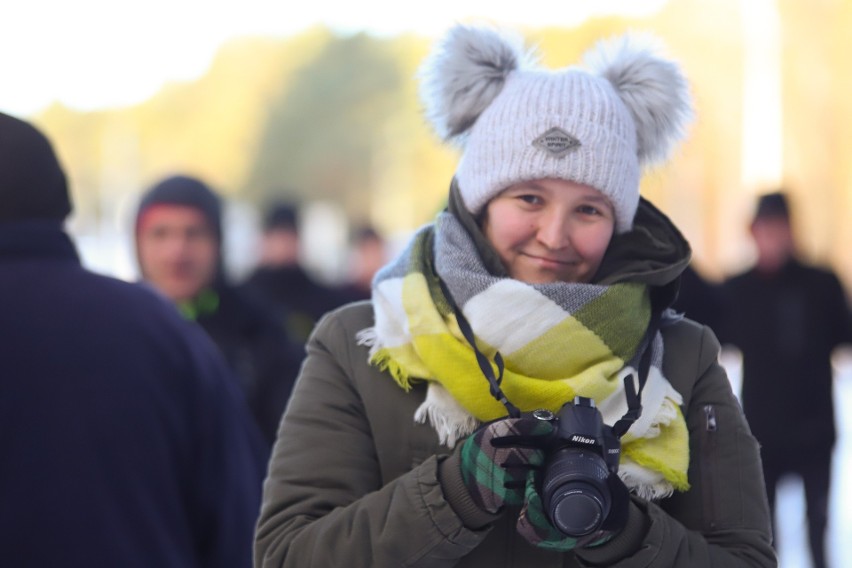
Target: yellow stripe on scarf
664, 453
439, 352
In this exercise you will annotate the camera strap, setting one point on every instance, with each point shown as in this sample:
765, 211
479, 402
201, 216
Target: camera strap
634, 396
484, 364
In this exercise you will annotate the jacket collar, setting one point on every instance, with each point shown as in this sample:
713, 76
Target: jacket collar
654, 252
36, 239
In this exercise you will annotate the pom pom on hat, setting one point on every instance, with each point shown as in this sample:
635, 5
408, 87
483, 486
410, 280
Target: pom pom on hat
654, 90
516, 121
465, 73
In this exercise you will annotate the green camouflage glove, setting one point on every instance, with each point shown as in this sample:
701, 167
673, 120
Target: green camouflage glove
496, 459
537, 529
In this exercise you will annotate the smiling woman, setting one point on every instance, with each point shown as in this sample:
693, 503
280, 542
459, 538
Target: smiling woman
422, 429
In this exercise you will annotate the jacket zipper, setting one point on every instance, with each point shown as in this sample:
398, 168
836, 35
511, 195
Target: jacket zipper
709, 454
710, 414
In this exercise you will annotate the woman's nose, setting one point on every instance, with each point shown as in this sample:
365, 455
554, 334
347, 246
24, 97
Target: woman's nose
554, 231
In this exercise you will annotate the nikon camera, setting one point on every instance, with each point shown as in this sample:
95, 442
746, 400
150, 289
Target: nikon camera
582, 454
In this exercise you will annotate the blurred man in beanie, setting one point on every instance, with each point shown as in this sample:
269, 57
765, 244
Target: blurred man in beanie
786, 318
179, 249
280, 278
124, 440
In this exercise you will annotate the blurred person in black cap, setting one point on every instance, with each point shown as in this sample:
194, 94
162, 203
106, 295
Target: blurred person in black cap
786, 317
179, 249
124, 439
281, 279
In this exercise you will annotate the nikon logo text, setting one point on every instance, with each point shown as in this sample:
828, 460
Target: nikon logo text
582, 439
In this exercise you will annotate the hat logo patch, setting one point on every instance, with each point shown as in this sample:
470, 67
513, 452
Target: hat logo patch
556, 142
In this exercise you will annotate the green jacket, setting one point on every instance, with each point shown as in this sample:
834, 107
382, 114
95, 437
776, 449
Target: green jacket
355, 482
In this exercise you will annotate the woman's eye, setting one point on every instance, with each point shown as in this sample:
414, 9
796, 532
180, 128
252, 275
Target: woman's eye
529, 198
589, 210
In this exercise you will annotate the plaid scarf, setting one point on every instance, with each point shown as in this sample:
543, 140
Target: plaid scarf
558, 341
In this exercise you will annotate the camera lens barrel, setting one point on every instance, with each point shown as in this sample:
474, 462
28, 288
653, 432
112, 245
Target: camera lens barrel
575, 495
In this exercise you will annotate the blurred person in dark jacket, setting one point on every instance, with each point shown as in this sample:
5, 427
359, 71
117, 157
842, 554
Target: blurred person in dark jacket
282, 280
179, 249
698, 298
786, 317
124, 440
369, 254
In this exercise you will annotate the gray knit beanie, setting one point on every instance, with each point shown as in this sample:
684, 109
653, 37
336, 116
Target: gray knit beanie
598, 125
183, 190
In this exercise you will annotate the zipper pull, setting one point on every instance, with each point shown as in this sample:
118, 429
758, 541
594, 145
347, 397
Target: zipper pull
710, 416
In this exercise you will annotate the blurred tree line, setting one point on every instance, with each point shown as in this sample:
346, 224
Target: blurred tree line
327, 116
317, 116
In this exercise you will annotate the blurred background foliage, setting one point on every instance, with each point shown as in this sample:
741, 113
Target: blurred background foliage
335, 118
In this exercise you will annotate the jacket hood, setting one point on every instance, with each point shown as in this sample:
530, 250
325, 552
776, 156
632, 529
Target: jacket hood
654, 252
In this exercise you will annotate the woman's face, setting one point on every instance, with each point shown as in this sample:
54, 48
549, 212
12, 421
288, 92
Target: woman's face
550, 230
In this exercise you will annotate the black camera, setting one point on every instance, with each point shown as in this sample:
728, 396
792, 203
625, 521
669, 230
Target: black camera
581, 456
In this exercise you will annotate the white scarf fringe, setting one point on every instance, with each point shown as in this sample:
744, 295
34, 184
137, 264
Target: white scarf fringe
645, 483
449, 418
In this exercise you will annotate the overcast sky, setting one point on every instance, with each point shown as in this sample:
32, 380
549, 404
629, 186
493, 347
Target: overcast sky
93, 54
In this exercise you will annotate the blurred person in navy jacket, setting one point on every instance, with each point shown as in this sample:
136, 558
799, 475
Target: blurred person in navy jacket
179, 249
124, 439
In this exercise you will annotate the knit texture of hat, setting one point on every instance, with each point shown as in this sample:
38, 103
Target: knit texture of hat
186, 191
32, 183
568, 125
596, 125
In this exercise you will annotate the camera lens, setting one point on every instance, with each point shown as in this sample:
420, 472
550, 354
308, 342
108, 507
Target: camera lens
575, 495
